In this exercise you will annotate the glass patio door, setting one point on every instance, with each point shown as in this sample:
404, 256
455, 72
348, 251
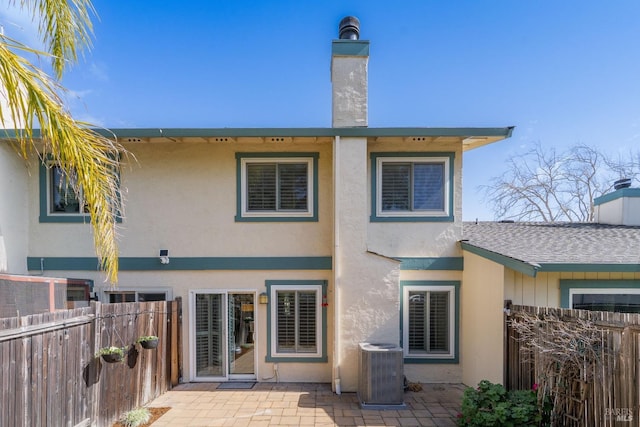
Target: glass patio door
223, 336
241, 339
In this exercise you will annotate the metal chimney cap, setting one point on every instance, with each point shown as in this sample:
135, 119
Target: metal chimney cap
349, 28
622, 183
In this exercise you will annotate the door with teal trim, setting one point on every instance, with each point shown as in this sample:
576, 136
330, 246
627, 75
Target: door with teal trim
223, 341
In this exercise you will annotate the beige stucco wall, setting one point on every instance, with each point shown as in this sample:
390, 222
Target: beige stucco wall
182, 197
14, 203
482, 323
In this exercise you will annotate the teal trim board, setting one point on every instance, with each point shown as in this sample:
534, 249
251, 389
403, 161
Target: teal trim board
297, 359
512, 263
502, 132
350, 48
623, 192
567, 284
590, 268
180, 263
443, 263
456, 340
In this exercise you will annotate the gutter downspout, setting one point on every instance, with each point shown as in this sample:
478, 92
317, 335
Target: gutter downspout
336, 266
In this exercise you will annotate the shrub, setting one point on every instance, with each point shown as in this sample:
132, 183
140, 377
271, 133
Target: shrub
492, 405
136, 417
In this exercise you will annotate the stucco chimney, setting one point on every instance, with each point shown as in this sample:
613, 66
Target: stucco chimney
349, 64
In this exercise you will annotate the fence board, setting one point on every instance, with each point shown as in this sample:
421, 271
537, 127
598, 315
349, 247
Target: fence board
50, 376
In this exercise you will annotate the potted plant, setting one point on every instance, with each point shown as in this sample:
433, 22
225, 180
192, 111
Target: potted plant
111, 354
148, 342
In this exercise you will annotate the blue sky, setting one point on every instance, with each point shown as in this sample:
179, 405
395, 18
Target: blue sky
562, 72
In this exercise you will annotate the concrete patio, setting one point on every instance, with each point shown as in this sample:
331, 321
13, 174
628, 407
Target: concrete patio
296, 404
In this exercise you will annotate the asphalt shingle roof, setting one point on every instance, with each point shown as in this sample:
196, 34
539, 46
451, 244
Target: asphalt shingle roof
557, 243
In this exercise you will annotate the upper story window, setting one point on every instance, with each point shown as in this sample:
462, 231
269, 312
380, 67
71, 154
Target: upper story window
277, 186
58, 201
62, 197
412, 187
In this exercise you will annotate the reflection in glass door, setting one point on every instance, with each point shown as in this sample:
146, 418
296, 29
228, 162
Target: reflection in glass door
224, 336
241, 339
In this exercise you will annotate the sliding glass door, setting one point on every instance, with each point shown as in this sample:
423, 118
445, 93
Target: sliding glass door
223, 344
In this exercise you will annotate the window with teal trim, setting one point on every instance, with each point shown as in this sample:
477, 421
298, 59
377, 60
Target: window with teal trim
277, 186
412, 187
59, 202
622, 296
297, 321
429, 318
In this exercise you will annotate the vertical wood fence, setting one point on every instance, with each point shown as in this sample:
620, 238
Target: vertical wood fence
50, 376
604, 391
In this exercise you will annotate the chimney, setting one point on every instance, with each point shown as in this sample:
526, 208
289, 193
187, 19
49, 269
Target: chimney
621, 207
349, 63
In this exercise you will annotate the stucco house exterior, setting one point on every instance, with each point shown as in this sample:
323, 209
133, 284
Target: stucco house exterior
593, 266
288, 246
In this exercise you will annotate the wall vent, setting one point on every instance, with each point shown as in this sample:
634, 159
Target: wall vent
381, 376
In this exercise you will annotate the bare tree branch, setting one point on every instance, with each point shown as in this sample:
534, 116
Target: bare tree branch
544, 185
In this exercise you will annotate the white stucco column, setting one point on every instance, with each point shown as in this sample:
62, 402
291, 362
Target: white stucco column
366, 284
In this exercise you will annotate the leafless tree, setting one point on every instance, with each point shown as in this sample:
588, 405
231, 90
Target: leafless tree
545, 185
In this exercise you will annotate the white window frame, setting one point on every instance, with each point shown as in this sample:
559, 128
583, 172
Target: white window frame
49, 191
274, 320
445, 212
600, 291
452, 319
308, 213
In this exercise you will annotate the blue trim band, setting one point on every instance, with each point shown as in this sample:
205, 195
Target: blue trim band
190, 263
623, 192
512, 263
443, 263
350, 48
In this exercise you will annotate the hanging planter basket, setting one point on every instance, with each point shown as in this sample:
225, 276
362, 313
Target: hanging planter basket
112, 354
148, 343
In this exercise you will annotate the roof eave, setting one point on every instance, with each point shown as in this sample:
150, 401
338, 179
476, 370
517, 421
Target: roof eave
471, 137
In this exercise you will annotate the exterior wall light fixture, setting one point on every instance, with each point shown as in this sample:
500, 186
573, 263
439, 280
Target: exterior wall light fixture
263, 298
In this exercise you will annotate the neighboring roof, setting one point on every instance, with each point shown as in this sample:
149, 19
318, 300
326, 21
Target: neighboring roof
471, 137
530, 247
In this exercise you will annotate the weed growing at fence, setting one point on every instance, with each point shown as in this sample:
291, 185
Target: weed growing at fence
136, 417
492, 405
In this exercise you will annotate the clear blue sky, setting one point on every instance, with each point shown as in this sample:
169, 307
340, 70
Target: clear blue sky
562, 72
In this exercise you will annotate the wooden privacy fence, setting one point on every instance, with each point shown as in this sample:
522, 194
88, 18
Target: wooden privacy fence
51, 377
586, 363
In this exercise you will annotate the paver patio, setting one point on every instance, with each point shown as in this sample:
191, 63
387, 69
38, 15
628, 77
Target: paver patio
295, 404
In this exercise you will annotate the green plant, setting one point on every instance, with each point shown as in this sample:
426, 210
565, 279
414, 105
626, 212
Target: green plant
111, 350
492, 405
147, 338
136, 417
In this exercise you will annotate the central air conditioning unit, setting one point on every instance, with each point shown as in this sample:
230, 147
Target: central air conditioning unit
381, 376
